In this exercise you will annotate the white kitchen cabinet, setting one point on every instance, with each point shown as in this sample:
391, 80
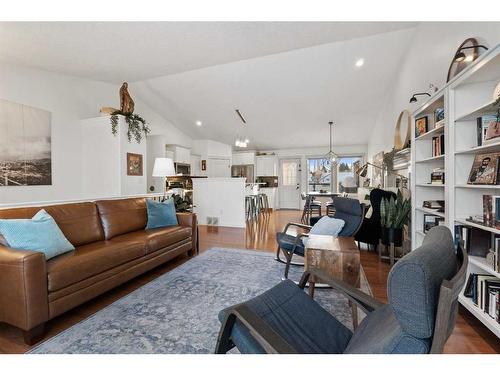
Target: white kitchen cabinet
266, 165
181, 154
243, 158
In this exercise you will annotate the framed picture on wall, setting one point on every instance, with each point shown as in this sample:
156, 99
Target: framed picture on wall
203, 165
134, 164
421, 125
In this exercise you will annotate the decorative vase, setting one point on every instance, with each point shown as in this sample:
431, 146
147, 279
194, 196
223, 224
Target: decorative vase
392, 235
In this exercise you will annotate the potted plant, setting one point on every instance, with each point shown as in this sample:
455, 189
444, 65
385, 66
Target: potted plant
394, 215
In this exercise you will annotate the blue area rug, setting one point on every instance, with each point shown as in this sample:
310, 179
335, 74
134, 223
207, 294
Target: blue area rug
177, 312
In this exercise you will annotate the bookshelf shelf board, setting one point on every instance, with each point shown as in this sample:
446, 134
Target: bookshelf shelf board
477, 112
484, 148
481, 263
479, 226
430, 185
431, 159
469, 186
431, 212
431, 133
481, 315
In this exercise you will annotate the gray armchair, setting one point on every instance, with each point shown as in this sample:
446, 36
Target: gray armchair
347, 209
422, 288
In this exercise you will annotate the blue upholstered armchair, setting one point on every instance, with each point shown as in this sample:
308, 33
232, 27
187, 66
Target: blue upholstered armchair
422, 290
347, 209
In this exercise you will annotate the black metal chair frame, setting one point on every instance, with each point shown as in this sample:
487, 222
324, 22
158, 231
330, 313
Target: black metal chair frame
272, 342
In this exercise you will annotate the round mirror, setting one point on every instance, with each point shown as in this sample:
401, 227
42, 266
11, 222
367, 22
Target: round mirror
402, 125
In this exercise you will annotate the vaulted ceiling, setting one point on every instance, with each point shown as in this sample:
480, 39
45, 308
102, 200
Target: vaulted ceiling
287, 78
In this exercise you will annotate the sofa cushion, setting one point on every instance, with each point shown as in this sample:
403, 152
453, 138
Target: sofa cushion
40, 234
156, 239
122, 216
79, 222
90, 260
161, 214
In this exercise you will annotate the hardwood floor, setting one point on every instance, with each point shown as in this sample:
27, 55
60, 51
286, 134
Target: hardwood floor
469, 336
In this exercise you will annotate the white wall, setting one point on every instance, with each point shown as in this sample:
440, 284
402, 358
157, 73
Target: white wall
223, 198
208, 149
427, 61
69, 100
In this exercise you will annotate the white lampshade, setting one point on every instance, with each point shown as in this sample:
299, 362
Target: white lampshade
163, 167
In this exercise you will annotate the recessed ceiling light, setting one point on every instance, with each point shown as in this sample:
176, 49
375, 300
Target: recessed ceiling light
198, 123
360, 62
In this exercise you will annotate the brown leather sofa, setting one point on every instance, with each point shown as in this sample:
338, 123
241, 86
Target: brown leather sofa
112, 247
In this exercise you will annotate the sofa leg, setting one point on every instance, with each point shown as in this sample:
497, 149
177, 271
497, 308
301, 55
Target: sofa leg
34, 335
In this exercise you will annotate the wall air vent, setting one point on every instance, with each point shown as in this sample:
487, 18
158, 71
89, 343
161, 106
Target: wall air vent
240, 116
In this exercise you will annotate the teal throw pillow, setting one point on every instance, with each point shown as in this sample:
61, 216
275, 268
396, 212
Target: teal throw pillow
161, 214
41, 234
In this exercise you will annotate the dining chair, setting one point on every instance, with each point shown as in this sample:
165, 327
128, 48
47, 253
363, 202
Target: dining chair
422, 293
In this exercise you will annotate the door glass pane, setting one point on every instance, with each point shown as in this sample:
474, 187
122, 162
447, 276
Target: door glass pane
289, 171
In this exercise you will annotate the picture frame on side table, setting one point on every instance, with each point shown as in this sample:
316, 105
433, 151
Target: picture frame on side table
421, 126
484, 169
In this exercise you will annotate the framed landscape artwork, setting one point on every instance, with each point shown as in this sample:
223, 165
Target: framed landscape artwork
134, 164
25, 145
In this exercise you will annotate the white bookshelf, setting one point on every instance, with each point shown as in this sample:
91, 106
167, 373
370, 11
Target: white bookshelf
466, 97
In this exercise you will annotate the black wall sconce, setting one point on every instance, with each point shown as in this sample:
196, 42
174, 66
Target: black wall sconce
460, 56
413, 99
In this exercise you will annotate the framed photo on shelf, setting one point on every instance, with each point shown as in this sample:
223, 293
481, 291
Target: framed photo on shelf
439, 117
484, 169
421, 125
492, 127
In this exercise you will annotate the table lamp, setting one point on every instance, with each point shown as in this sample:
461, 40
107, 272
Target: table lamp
164, 167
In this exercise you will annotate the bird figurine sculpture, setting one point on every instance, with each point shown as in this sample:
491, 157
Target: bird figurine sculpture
126, 102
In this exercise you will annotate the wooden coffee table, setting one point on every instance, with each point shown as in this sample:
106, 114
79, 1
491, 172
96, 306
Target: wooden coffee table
338, 257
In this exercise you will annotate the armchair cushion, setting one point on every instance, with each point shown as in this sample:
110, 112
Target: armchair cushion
298, 319
351, 212
381, 333
287, 242
414, 282
328, 226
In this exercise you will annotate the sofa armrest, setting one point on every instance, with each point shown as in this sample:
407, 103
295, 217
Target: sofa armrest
188, 219
23, 288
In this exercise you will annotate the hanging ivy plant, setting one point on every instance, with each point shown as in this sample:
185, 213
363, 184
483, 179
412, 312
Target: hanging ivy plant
137, 126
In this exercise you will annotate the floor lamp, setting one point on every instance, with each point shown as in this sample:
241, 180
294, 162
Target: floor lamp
363, 170
164, 167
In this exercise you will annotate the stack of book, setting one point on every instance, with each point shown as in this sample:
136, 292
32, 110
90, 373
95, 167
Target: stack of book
437, 176
484, 291
438, 145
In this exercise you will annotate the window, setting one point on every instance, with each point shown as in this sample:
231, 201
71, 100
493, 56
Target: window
347, 180
319, 174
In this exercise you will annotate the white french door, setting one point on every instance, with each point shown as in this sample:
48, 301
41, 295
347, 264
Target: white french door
289, 186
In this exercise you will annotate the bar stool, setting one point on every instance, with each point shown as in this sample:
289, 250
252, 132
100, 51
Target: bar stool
251, 203
263, 202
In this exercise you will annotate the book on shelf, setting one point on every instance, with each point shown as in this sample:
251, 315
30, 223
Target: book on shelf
491, 211
484, 292
437, 205
479, 243
438, 145
437, 176
488, 129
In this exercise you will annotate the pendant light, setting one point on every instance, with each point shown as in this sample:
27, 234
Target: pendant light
332, 156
